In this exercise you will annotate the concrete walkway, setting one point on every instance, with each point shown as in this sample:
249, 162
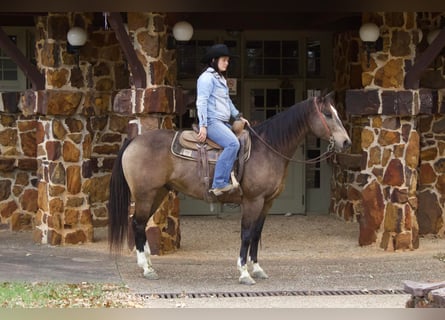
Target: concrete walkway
313, 255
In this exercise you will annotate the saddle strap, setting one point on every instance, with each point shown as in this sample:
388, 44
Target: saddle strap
203, 168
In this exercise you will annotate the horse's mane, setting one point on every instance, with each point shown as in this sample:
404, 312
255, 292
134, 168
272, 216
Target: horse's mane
284, 127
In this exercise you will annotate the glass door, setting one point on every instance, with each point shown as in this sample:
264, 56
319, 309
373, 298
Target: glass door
264, 99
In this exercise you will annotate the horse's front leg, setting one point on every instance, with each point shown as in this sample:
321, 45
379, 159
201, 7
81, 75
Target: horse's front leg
143, 251
251, 226
257, 271
245, 277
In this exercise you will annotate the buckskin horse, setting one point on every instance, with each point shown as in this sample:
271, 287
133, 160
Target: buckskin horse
145, 170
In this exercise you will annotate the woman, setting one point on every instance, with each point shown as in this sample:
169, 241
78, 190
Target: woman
215, 109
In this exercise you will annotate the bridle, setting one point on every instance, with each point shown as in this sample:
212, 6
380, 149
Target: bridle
326, 155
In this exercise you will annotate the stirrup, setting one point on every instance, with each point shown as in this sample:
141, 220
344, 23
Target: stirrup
220, 191
235, 182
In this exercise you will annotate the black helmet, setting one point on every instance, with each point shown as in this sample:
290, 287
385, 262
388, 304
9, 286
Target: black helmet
216, 51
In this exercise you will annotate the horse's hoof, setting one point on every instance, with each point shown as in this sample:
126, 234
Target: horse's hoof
151, 275
259, 274
247, 280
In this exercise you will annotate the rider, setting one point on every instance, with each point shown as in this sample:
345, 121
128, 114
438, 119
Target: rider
215, 109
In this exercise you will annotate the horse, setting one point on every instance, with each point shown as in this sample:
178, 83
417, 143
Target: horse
145, 170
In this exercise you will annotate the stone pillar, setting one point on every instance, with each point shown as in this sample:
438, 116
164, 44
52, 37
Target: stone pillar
388, 137
389, 201
77, 137
431, 213
153, 107
18, 181
149, 34
64, 213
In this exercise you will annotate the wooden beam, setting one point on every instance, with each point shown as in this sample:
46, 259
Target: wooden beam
412, 77
136, 68
37, 79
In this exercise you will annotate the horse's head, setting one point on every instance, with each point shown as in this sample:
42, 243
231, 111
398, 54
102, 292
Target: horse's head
326, 124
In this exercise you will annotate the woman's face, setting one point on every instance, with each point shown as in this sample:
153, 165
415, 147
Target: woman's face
223, 63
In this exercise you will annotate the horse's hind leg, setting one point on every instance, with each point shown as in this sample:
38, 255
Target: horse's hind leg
143, 249
144, 208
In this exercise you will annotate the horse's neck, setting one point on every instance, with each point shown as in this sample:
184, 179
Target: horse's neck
295, 142
296, 133
285, 132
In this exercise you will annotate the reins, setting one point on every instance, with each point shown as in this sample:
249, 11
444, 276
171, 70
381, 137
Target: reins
326, 155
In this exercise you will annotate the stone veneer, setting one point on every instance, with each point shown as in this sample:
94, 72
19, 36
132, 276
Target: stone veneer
431, 185
391, 181
394, 187
58, 145
18, 165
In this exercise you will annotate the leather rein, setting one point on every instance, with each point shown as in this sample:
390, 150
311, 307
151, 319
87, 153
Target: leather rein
326, 155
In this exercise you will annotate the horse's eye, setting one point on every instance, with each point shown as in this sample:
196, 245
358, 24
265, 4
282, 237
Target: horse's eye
328, 115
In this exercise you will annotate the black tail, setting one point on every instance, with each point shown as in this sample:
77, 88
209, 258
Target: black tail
118, 203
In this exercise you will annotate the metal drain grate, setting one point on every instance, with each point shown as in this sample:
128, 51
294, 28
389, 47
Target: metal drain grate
250, 294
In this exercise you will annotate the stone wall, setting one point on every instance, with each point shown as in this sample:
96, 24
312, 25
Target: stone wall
18, 165
431, 189
378, 183
58, 145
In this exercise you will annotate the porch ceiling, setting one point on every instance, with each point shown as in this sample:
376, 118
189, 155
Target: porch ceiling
327, 21
221, 6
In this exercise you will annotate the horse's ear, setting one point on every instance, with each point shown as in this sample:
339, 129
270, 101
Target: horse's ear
323, 93
331, 95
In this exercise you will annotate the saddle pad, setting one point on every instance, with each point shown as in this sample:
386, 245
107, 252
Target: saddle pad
178, 149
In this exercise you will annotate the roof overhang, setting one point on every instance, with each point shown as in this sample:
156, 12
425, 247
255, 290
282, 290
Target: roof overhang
222, 5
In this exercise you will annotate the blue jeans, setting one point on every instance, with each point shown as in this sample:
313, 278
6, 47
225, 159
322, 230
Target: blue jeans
222, 134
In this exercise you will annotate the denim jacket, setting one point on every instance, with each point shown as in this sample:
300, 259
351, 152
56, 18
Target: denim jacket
213, 100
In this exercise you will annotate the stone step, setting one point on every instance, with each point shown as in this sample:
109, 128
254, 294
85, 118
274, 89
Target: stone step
437, 297
421, 289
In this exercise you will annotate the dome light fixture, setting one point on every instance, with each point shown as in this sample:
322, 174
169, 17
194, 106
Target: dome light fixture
182, 31
76, 38
370, 35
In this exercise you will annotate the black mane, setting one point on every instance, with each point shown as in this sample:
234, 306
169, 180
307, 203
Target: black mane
284, 127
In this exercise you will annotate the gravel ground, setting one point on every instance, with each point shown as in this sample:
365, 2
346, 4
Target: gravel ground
300, 253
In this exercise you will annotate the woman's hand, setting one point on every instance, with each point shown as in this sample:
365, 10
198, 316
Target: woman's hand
245, 121
202, 135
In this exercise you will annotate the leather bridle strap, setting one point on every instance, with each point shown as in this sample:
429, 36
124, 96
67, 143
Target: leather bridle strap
323, 120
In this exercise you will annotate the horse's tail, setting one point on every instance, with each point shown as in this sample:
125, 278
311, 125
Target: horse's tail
118, 203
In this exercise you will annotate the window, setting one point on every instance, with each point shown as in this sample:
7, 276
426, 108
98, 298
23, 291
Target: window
266, 103
272, 58
313, 63
8, 68
12, 77
189, 58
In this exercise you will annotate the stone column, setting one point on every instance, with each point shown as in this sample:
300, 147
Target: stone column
18, 181
431, 213
77, 139
389, 141
153, 107
64, 212
389, 202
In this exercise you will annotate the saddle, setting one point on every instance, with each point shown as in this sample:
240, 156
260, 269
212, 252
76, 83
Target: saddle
185, 145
